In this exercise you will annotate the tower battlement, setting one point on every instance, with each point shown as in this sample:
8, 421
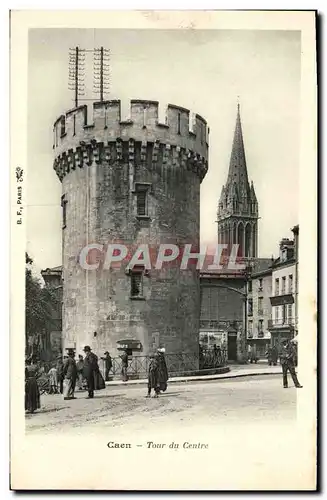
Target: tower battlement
142, 138
142, 125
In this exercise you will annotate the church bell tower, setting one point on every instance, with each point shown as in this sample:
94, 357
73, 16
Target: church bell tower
237, 214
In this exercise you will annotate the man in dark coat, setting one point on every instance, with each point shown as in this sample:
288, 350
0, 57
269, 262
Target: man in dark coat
70, 375
163, 371
124, 366
274, 355
287, 359
108, 364
90, 370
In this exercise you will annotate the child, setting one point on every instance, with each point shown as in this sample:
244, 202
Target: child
53, 380
153, 376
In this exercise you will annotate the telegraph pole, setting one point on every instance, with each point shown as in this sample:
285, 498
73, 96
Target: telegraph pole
76, 73
101, 71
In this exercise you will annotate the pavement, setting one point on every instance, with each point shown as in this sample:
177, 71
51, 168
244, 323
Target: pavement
236, 371
206, 402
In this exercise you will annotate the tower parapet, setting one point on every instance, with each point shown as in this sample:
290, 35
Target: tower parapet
75, 137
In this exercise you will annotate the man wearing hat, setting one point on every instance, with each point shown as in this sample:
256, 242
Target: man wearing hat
70, 375
90, 370
108, 364
287, 359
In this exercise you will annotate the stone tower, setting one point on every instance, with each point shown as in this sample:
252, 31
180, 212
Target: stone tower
132, 182
238, 206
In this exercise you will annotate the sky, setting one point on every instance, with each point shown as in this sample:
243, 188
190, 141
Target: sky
202, 70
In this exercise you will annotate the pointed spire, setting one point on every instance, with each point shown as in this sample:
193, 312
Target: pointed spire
237, 165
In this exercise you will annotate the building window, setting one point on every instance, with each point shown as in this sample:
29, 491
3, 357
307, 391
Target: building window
136, 284
284, 314
250, 328
62, 126
283, 285
260, 325
277, 313
290, 312
290, 283
250, 286
260, 306
260, 285
250, 307
179, 124
64, 211
276, 286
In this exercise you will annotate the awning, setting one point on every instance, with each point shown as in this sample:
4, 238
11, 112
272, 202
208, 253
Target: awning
133, 344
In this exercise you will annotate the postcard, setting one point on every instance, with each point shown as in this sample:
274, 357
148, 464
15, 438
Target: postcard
163, 250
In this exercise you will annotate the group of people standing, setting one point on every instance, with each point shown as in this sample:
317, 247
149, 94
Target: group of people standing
64, 377
67, 374
84, 373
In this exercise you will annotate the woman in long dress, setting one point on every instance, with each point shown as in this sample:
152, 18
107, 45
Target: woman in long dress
163, 371
32, 393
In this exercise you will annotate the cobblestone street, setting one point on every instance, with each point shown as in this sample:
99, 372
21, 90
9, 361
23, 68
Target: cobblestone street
204, 403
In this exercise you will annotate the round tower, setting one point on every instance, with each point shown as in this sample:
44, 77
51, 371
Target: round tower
130, 182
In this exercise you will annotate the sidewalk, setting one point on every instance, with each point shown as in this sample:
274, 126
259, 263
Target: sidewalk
236, 371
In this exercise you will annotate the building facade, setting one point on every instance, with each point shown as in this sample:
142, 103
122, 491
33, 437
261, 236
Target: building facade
259, 311
223, 312
283, 323
132, 182
238, 211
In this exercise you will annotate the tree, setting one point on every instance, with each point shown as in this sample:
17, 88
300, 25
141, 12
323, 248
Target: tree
40, 302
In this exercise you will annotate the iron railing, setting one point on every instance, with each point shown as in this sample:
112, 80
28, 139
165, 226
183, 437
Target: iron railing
176, 363
281, 322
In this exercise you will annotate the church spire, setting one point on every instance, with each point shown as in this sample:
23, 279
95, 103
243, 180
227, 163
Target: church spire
238, 205
237, 164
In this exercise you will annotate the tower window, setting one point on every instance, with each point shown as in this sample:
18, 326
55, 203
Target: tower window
74, 124
141, 203
142, 192
64, 211
179, 123
136, 284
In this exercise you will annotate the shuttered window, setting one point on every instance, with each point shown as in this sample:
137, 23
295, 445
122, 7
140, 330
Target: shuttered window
136, 284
